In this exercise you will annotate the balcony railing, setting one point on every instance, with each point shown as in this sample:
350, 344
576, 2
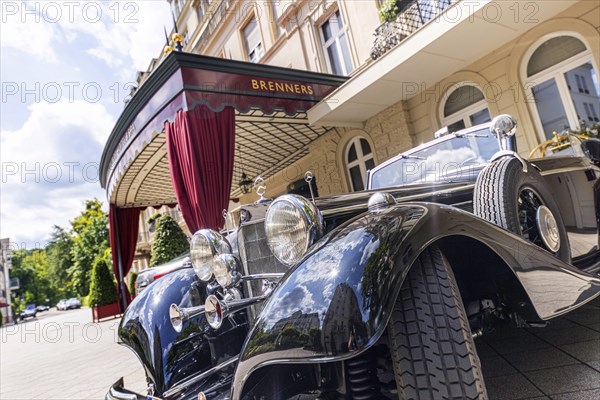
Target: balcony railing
412, 16
211, 21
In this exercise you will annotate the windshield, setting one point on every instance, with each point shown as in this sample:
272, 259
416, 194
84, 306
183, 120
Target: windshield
448, 160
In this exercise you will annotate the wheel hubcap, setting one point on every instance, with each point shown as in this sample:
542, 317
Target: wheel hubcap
537, 222
548, 228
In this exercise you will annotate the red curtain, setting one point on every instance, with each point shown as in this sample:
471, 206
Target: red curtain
200, 147
124, 224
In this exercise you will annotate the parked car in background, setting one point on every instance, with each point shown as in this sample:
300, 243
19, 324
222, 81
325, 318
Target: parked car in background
147, 276
61, 305
377, 294
29, 312
43, 308
73, 303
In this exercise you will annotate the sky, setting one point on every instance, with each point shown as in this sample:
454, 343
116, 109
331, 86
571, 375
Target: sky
65, 69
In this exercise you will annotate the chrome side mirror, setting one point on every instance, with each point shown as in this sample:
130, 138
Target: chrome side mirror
504, 127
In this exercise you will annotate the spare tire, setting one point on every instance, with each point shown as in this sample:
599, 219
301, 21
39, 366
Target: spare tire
520, 202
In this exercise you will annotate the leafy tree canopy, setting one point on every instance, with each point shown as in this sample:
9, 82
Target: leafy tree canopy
32, 269
90, 241
60, 261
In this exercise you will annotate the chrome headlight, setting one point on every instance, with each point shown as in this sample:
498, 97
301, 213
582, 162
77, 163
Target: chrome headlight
292, 225
226, 270
209, 253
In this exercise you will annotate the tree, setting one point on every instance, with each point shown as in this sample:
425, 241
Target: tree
103, 289
90, 242
169, 241
60, 261
32, 270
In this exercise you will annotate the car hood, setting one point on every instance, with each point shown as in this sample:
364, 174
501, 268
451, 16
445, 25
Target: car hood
437, 191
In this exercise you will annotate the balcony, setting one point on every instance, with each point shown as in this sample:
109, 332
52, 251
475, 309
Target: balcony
213, 17
412, 16
461, 34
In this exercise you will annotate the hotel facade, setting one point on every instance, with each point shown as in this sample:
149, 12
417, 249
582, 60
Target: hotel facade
436, 63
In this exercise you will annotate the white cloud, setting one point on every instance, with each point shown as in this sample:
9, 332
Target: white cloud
124, 33
106, 56
128, 34
67, 137
50, 166
31, 36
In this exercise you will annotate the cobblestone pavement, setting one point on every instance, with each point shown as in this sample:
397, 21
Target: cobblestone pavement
63, 355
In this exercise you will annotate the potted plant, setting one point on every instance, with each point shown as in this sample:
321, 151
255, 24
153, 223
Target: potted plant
103, 292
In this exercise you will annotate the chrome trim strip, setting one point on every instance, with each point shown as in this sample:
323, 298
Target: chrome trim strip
181, 386
114, 395
566, 169
256, 277
509, 153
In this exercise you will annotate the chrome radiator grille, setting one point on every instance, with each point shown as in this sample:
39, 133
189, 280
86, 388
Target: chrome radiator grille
254, 251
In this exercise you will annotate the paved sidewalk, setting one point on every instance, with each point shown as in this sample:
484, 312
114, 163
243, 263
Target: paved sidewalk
63, 355
558, 362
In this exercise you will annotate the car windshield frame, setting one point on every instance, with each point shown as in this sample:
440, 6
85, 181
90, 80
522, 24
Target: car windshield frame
436, 152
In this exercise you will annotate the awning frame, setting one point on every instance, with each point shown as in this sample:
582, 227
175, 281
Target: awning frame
184, 80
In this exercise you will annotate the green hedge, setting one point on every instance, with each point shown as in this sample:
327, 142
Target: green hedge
132, 278
169, 241
103, 289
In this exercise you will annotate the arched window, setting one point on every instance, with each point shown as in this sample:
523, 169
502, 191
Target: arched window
563, 84
359, 159
465, 107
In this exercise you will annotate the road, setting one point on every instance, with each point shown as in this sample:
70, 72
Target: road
63, 355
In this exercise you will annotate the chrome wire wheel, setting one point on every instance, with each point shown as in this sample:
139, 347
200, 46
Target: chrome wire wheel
537, 222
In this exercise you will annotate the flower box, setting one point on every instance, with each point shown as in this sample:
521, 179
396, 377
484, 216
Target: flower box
107, 311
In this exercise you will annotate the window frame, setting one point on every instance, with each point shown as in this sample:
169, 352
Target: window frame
336, 42
361, 160
276, 29
261, 42
465, 113
556, 72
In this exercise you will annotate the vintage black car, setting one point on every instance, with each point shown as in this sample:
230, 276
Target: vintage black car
377, 294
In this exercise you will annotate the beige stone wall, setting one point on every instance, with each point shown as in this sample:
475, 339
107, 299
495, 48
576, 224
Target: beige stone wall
388, 132
498, 75
299, 45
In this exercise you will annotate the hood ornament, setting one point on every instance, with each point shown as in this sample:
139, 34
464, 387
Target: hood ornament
308, 178
261, 189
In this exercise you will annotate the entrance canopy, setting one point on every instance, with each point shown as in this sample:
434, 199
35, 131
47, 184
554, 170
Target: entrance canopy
187, 127
271, 126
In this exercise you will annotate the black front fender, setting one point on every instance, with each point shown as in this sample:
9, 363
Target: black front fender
337, 301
